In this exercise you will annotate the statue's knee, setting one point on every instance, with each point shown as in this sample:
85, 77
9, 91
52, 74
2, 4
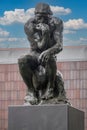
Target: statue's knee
24, 59
28, 62
21, 60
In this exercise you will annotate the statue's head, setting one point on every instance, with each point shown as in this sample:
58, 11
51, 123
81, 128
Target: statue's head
43, 8
42, 12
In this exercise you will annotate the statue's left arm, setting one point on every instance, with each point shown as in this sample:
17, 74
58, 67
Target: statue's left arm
58, 38
58, 41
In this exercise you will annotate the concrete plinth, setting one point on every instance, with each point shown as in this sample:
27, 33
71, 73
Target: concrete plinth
53, 117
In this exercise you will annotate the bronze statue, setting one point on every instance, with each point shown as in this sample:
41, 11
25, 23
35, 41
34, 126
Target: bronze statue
38, 68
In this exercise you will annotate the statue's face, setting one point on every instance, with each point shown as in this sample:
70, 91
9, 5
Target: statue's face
42, 18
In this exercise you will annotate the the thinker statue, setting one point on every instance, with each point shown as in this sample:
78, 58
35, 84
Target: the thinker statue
38, 68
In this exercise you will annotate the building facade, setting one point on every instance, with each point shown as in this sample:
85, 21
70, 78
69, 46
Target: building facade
71, 62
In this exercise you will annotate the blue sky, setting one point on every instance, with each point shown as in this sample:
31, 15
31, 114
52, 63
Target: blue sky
14, 13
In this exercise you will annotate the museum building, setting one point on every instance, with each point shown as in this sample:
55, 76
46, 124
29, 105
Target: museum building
71, 62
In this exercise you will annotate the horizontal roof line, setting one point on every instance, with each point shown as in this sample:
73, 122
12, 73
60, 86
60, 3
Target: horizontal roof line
5, 49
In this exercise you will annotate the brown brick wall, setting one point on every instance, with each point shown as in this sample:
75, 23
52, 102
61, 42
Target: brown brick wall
75, 78
12, 88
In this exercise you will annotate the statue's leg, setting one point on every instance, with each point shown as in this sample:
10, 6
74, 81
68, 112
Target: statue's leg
59, 86
51, 70
59, 90
27, 65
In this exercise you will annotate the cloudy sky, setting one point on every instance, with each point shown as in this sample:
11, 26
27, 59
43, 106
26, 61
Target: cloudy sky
14, 13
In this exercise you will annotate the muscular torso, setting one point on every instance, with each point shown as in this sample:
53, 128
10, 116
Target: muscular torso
33, 34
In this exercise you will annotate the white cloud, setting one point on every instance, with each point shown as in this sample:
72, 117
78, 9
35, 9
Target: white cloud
60, 10
69, 31
20, 15
75, 24
83, 39
68, 42
13, 42
80, 41
3, 33
13, 39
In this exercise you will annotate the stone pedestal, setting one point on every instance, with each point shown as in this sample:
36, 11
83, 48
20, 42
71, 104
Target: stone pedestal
52, 117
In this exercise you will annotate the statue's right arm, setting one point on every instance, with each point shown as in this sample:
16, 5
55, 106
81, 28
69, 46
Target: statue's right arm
30, 31
29, 27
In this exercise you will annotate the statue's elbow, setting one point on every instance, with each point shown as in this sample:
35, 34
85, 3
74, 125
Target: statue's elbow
60, 48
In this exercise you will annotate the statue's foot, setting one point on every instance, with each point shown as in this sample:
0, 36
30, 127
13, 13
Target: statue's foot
30, 99
62, 98
48, 95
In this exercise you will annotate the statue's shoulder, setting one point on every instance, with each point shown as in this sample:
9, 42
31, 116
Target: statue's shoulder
57, 21
31, 20
29, 26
